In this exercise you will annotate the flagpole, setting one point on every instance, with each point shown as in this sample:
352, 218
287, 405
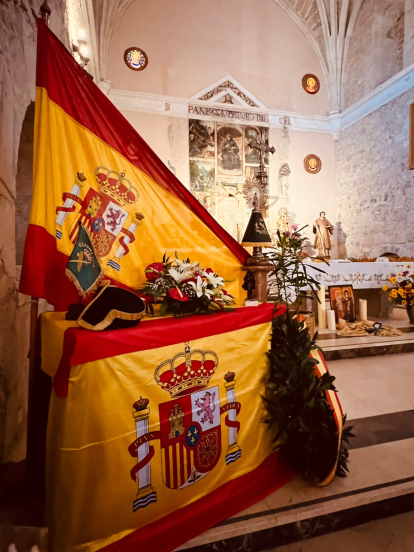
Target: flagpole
45, 13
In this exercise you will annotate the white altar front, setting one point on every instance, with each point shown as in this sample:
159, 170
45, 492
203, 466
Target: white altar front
360, 275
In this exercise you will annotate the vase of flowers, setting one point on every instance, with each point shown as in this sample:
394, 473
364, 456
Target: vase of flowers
401, 291
183, 288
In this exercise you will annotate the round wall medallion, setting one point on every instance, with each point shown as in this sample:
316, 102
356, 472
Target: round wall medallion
311, 84
312, 164
135, 58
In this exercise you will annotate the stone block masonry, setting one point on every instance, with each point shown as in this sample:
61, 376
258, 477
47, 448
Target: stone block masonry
375, 187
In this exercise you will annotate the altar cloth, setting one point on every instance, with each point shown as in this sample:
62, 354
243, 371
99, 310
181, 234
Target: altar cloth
360, 275
157, 434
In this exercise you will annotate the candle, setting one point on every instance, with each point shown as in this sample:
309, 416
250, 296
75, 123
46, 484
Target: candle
363, 309
321, 308
330, 318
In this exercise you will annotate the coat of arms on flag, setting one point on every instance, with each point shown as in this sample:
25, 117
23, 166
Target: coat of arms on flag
105, 212
190, 424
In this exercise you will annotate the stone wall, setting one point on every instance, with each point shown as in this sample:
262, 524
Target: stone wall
17, 91
375, 188
376, 47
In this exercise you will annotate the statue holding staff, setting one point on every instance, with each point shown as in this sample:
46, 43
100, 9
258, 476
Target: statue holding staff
323, 230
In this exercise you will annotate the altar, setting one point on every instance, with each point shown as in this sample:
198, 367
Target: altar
367, 280
156, 426
373, 275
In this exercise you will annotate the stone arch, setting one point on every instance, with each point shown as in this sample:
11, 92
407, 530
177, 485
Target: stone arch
24, 181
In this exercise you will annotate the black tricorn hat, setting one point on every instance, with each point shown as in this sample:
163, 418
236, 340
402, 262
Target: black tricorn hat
112, 308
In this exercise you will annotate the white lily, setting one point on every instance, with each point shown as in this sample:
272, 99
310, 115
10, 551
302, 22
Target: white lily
178, 276
213, 279
200, 287
186, 266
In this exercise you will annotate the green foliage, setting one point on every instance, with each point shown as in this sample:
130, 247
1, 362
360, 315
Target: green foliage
291, 281
298, 411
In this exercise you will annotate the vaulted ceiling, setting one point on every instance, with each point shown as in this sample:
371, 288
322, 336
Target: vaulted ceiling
328, 24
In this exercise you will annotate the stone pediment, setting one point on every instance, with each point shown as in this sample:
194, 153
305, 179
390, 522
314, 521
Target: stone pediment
228, 91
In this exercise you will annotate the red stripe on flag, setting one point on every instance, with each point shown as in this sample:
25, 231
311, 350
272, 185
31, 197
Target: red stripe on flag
174, 466
150, 334
182, 473
188, 463
47, 270
186, 523
71, 89
167, 466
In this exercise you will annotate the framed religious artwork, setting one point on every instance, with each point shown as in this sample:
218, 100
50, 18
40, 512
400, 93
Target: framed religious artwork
202, 176
252, 134
312, 164
201, 139
135, 58
311, 84
411, 160
342, 302
230, 150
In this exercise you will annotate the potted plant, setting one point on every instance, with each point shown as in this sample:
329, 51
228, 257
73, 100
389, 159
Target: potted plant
297, 397
289, 282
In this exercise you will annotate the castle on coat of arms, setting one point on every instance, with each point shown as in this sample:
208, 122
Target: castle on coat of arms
190, 424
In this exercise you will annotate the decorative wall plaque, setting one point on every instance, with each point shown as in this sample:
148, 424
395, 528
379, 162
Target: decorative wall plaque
311, 84
312, 164
135, 58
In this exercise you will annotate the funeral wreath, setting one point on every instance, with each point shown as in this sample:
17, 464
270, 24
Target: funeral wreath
298, 410
183, 288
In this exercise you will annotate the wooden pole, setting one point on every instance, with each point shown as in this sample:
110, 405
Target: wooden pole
45, 12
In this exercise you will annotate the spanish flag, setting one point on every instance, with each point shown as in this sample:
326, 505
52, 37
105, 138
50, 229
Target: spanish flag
92, 167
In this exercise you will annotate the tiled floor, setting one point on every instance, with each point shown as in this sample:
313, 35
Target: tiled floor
393, 534
375, 385
368, 387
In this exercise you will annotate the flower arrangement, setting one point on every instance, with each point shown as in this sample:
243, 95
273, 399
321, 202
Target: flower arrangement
401, 291
289, 280
183, 288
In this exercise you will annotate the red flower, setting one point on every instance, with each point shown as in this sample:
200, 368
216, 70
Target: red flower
189, 280
225, 292
152, 271
209, 271
177, 295
146, 298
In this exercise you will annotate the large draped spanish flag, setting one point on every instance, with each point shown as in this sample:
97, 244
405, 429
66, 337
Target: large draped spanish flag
91, 166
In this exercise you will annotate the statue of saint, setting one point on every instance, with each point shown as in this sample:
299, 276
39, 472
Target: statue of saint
283, 221
249, 284
323, 230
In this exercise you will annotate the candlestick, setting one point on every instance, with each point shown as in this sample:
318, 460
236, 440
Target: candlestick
321, 308
330, 317
363, 309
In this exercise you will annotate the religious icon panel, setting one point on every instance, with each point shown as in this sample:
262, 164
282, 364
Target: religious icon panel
255, 134
229, 150
201, 137
135, 58
342, 302
202, 176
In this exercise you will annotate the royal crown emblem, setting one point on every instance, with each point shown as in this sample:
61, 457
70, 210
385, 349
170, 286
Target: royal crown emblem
116, 185
190, 430
187, 372
106, 211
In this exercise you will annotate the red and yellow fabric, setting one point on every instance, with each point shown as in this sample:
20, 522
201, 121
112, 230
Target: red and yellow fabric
91, 166
321, 368
138, 458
